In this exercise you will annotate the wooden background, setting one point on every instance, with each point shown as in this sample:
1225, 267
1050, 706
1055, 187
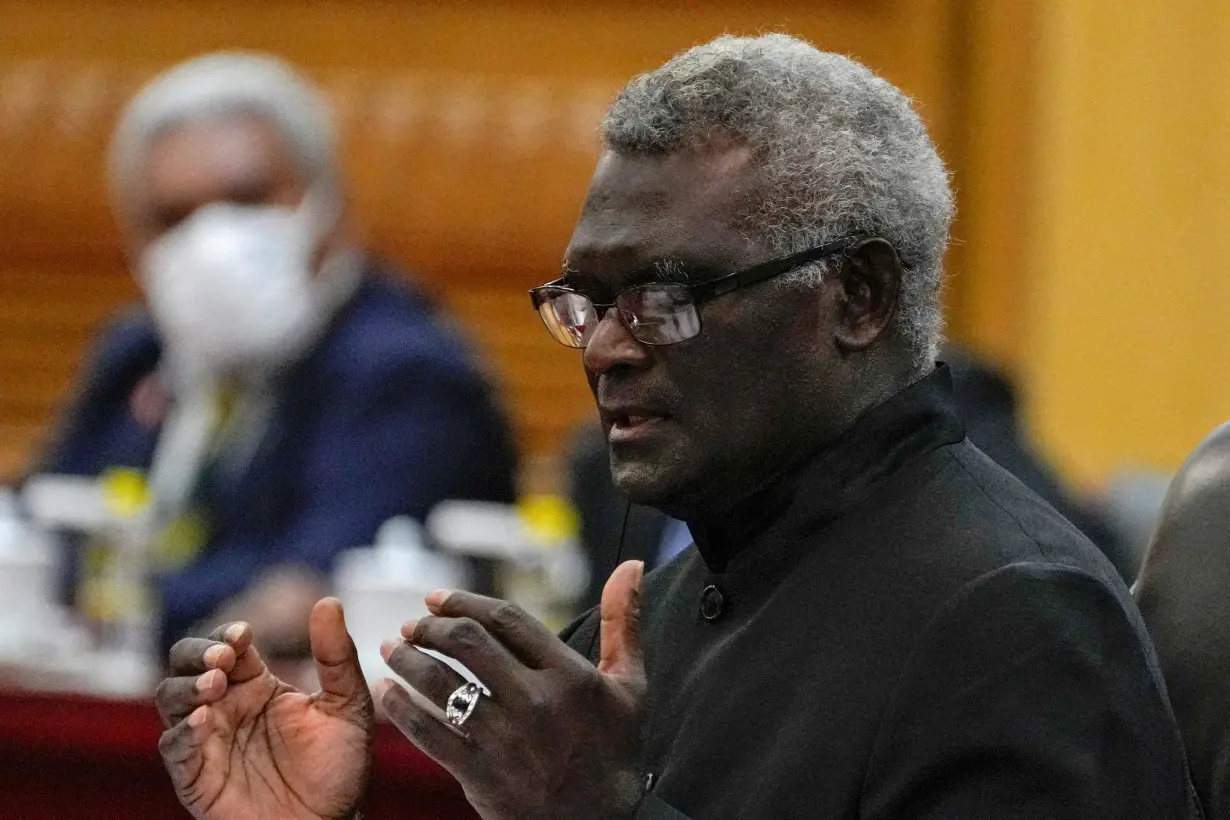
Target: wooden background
471, 130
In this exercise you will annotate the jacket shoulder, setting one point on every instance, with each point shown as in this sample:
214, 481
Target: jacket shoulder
127, 334
1015, 508
390, 327
1187, 565
969, 516
1199, 495
126, 349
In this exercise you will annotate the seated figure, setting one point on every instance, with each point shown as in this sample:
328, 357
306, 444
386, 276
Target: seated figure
284, 392
1184, 593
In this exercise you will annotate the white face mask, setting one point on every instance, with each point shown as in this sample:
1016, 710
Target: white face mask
231, 287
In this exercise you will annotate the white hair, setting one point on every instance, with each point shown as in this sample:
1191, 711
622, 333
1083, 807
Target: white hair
218, 85
839, 151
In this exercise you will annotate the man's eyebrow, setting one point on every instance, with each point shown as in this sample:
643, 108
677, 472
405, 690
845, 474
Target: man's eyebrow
666, 269
568, 275
670, 270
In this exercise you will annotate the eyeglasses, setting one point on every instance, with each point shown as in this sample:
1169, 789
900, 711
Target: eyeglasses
658, 313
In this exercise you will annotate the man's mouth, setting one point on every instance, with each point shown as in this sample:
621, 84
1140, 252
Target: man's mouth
627, 427
625, 422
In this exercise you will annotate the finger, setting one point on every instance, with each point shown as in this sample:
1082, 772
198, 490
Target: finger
343, 689
192, 656
526, 637
425, 725
619, 654
431, 677
176, 698
238, 636
181, 748
469, 642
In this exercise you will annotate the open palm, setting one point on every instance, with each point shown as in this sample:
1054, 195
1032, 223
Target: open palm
242, 744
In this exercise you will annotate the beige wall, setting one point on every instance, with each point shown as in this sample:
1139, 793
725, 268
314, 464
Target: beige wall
1126, 349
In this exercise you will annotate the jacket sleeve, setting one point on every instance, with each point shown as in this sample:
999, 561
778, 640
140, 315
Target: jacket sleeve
582, 634
1034, 693
396, 444
417, 438
95, 428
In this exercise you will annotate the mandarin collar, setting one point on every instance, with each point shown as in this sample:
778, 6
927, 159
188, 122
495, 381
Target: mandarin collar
913, 421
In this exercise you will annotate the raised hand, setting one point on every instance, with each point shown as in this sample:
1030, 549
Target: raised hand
557, 738
242, 745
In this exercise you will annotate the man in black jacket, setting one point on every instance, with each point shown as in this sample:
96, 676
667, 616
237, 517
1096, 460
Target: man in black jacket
875, 620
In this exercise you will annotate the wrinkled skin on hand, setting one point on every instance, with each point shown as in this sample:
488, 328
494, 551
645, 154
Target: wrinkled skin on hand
242, 745
556, 738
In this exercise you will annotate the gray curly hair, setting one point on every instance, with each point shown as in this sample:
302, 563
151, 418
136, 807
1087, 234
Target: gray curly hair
221, 84
841, 151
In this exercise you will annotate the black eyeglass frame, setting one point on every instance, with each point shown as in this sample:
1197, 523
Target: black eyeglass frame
702, 292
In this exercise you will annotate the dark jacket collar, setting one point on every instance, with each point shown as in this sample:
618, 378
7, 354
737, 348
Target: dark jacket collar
914, 421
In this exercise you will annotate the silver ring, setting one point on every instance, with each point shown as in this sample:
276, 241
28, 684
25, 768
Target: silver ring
461, 703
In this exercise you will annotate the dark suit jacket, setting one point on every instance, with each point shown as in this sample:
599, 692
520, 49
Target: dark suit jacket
1184, 594
388, 414
901, 630
990, 410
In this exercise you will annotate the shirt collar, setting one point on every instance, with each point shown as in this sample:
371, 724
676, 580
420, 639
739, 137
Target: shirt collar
914, 421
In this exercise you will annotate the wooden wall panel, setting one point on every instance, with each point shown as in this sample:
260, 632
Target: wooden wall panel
471, 133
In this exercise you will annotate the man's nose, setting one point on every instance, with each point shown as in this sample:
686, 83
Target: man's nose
613, 345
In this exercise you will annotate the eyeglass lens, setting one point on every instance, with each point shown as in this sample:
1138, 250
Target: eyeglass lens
656, 314
659, 314
570, 317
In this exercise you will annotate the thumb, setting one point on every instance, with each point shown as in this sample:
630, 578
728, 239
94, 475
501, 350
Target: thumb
343, 689
619, 653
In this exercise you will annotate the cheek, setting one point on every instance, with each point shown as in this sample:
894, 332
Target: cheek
736, 402
718, 395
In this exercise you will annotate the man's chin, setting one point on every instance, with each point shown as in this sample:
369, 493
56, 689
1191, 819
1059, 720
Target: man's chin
647, 484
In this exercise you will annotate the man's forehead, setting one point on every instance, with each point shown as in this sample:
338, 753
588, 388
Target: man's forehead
646, 208
235, 146
667, 181
233, 156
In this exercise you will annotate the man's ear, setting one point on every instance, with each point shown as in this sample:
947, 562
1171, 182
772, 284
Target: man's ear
870, 281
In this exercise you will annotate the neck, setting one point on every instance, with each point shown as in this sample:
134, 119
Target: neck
722, 530
723, 526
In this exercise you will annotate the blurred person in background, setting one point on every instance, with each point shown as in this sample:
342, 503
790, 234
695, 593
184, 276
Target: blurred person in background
1184, 594
285, 392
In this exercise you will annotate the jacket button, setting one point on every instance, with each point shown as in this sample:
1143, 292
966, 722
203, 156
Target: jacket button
712, 603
